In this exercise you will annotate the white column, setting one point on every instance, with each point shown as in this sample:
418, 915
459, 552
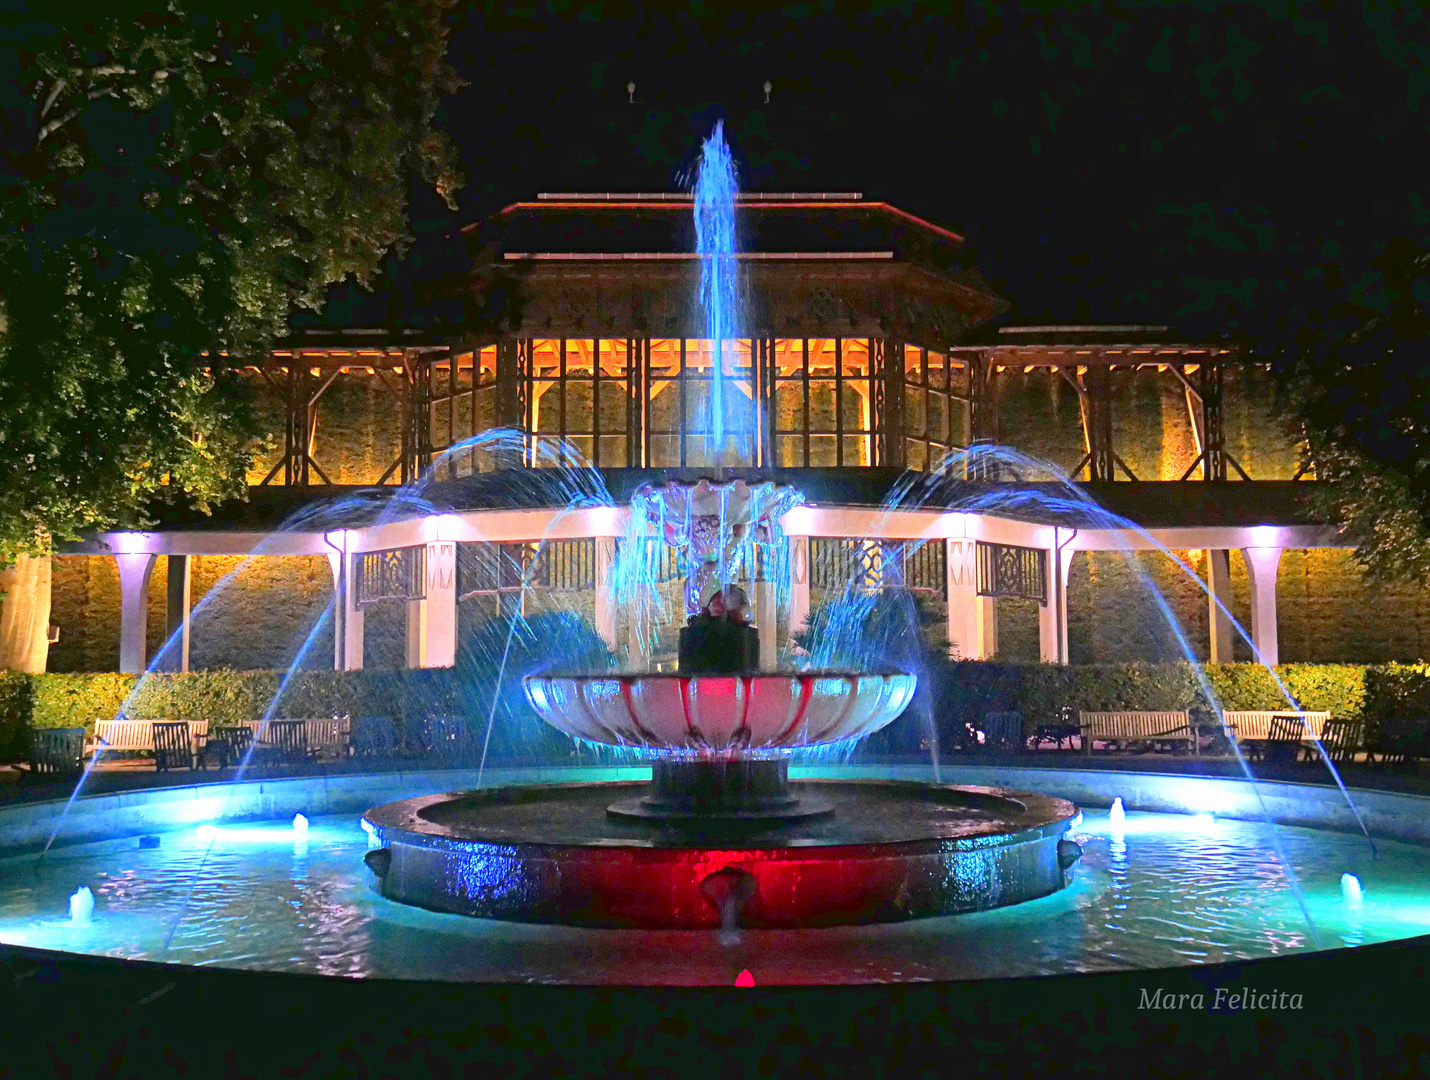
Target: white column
134, 571
766, 621
1053, 616
1261, 566
606, 590
432, 621
798, 584
972, 619
347, 616
1219, 621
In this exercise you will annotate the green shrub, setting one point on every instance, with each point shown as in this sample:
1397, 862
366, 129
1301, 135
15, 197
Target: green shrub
17, 706
1397, 702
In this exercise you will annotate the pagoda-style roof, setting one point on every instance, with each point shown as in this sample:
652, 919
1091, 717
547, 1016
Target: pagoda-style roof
813, 264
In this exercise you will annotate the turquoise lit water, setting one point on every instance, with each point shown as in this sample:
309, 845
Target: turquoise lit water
1165, 890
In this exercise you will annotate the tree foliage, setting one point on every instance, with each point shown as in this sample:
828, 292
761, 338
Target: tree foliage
178, 180
1360, 392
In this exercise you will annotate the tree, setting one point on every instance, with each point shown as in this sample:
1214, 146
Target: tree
1361, 397
178, 181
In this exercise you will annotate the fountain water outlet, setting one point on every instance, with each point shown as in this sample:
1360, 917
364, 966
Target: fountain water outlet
1351, 891
729, 891
82, 907
1116, 816
300, 825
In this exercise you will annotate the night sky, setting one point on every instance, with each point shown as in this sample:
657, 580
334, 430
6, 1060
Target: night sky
1225, 168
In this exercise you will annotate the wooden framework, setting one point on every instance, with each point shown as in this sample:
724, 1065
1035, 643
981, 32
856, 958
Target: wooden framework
635, 402
1088, 368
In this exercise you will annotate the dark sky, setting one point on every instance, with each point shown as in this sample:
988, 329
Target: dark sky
1221, 167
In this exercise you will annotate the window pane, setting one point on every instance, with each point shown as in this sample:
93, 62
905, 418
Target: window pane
578, 406
545, 406
663, 414
790, 451
822, 451
937, 372
613, 452
821, 356
915, 414
854, 356
583, 446
858, 449
580, 353
697, 452
855, 404
789, 405
664, 451
613, 406
938, 417
914, 365
821, 405
916, 454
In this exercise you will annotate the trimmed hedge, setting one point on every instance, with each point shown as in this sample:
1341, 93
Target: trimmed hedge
1394, 697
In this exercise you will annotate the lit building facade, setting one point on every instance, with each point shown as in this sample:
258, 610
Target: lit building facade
864, 350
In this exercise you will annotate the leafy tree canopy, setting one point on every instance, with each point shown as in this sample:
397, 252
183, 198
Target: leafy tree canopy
175, 179
1359, 387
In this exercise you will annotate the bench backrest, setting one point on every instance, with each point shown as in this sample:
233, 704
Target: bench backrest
1136, 725
1002, 725
1256, 723
134, 734
57, 751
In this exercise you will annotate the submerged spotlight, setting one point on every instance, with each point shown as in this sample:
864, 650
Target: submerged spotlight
1117, 815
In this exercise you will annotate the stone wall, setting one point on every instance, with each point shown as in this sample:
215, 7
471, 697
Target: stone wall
247, 613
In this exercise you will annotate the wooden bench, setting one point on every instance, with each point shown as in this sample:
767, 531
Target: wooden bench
326, 736
132, 735
1252, 728
1175, 727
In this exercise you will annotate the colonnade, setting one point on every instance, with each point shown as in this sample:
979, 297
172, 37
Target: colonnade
972, 618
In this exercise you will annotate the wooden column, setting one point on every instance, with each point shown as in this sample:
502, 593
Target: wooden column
1213, 427
179, 603
982, 410
890, 418
1102, 465
510, 403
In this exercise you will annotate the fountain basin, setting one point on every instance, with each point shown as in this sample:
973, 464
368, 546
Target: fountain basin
735, 715
891, 851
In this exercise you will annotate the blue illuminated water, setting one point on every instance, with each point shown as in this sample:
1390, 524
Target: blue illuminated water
1163, 890
716, 188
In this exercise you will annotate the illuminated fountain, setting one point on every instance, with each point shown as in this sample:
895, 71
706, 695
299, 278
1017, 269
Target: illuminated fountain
722, 837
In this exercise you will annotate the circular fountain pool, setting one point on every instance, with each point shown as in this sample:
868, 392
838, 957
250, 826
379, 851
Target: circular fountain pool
1162, 890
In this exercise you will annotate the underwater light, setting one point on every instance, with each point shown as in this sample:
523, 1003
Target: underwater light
1117, 814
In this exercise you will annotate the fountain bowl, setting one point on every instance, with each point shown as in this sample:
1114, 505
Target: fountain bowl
731, 716
889, 851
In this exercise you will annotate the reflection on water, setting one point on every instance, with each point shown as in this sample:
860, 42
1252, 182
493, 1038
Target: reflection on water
1160, 890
